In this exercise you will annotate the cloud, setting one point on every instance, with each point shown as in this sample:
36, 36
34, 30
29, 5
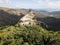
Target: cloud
8, 3
1, 1
54, 5
4, 1
48, 4
44, 4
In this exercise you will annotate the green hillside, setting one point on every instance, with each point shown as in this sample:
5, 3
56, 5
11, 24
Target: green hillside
10, 16
45, 32
28, 35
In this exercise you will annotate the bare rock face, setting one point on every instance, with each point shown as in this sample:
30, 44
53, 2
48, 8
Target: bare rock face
28, 19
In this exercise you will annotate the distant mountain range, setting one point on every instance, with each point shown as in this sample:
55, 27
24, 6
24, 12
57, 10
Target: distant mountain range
55, 12
51, 13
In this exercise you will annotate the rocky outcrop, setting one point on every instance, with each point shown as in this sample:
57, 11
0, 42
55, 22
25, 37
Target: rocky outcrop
28, 19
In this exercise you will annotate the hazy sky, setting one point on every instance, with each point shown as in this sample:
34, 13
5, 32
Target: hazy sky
34, 4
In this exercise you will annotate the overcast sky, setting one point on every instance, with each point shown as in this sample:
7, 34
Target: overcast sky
34, 4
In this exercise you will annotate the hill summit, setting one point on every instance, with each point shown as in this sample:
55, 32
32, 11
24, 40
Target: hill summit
28, 19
